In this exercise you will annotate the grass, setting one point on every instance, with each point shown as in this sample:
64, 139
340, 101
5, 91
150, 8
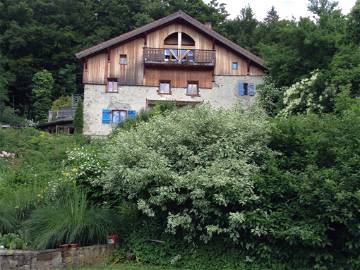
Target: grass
130, 266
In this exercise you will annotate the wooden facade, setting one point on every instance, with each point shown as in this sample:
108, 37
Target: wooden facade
178, 78
135, 68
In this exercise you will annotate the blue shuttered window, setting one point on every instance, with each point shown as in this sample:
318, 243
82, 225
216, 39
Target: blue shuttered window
251, 89
106, 116
132, 114
241, 88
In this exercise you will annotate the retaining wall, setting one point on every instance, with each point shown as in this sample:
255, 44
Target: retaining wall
50, 259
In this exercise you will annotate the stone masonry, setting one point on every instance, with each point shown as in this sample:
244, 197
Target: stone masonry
224, 94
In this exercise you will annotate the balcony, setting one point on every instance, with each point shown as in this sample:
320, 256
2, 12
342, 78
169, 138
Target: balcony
63, 114
179, 57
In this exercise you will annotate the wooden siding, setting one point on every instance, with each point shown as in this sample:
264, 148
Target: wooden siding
156, 39
224, 60
132, 72
178, 78
95, 71
98, 68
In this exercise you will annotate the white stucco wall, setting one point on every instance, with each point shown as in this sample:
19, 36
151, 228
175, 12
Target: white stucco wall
223, 94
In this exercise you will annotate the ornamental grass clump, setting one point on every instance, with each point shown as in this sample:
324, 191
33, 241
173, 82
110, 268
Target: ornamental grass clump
192, 168
69, 220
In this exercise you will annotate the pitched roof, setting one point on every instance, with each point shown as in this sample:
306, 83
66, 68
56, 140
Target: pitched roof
158, 23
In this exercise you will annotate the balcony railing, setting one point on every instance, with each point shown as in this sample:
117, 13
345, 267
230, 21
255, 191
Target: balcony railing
179, 57
66, 113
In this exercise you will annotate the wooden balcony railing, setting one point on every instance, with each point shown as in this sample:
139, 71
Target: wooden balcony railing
179, 57
62, 114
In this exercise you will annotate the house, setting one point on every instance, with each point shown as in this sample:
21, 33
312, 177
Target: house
175, 58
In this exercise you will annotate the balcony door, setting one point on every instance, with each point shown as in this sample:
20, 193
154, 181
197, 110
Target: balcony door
179, 48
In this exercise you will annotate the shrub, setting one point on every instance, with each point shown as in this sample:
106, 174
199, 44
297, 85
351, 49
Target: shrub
310, 189
12, 241
70, 219
78, 118
191, 168
63, 101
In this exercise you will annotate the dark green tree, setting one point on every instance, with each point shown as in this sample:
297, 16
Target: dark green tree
43, 84
79, 118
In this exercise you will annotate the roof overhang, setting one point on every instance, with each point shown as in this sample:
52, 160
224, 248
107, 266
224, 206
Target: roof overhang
180, 15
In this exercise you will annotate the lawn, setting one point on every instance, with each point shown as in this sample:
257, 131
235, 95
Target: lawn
130, 266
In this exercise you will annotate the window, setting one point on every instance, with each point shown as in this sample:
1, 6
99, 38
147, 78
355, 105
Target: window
123, 59
235, 65
243, 89
192, 89
246, 89
117, 116
165, 87
112, 85
173, 39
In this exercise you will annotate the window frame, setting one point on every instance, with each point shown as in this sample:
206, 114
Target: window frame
235, 63
112, 80
162, 82
197, 88
112, 115
123, 56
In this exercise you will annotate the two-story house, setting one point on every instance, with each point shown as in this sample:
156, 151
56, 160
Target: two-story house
176, 58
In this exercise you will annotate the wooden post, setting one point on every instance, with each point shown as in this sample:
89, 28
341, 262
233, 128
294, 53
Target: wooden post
179, 44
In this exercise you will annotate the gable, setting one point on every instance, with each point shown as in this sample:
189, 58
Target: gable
174, 19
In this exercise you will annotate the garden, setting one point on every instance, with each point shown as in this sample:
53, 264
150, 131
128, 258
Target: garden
193, 188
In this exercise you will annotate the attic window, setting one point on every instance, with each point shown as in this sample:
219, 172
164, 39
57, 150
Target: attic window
173, 39
123, 59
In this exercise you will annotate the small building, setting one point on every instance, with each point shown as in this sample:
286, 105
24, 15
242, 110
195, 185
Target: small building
175, 58
61, 120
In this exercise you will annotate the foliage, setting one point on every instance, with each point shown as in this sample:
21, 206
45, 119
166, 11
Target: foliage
161, 107
42, 86
309, 190
192, 167
70, 219
301, 97
79, 118
12, 241
270, 97
63, 101
84, 167
26, 181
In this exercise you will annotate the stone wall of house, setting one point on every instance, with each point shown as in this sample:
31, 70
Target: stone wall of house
54, 258
223, 94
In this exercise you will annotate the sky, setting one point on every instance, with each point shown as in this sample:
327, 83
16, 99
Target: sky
285, 8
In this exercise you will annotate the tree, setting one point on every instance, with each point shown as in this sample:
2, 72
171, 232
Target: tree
78, 118
353, 26
43, 83
272, 16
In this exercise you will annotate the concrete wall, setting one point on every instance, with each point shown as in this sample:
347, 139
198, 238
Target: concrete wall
223, 94
54, 258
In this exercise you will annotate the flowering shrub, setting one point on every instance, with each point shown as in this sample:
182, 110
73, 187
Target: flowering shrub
303, 97
84, 165
4, 154
192, 168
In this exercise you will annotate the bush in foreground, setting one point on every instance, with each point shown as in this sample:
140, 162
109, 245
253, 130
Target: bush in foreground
192, 168
69, 220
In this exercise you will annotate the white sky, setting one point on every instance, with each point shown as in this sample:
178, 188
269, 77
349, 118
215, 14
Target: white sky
285, 8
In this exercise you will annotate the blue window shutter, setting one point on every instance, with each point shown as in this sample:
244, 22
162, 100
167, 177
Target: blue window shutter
251, 89
132, 114
106, 116
241, 88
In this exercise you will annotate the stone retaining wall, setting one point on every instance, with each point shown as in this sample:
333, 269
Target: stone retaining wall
49, 259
